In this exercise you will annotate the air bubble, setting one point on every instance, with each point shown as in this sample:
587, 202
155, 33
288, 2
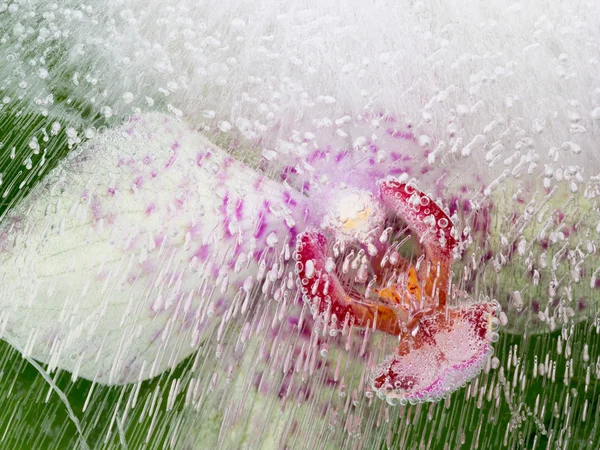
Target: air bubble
224, 126
324, 351
392, 401
273, 240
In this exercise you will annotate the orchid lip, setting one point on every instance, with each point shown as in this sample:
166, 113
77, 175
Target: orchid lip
404, 300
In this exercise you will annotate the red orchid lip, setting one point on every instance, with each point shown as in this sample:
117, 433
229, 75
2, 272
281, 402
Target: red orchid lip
414, 308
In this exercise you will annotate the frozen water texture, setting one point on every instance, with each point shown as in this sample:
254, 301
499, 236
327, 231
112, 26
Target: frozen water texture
114, 262
139, 249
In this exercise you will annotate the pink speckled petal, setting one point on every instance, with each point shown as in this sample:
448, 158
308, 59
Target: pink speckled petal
442, 358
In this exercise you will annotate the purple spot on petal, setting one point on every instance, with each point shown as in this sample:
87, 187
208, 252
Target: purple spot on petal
288, 199
202, 252
239, 209
342, 155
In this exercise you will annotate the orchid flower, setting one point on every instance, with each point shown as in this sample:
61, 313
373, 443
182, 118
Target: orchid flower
440, 346
171, 238
309, 204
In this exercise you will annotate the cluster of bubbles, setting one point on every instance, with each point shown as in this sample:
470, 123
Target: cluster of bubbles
493, 108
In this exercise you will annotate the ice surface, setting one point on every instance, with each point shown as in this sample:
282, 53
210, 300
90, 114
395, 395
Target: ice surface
151, 293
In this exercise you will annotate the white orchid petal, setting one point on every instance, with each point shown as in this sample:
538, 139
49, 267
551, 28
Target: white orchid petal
99, 260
